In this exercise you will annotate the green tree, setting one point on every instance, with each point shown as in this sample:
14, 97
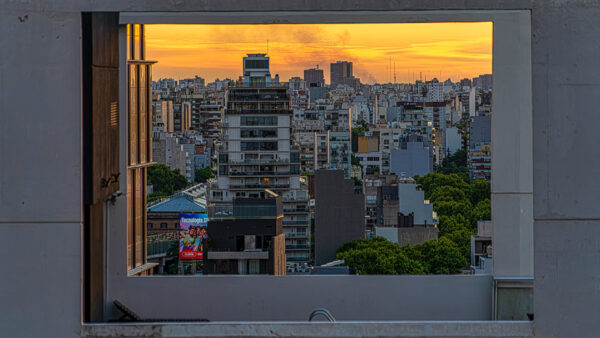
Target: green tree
378, 256
482, 211
434, 180
442, 257
202, 175
165, 181
462, 239
447, 194
480, 190
451, 223
447, 208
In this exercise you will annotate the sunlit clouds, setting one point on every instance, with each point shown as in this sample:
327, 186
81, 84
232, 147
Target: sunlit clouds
449, 50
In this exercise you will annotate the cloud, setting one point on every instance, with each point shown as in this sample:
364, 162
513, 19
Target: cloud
463, 50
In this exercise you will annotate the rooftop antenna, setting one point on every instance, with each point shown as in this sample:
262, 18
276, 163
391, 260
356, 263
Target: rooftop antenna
394, 72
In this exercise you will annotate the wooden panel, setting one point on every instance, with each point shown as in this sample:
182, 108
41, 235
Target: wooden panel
105, 39
138, 232
139, 146
136, 43
96, 261
144, 214
105, 134
133, 115
142, 116
105, 110
149, 119
130, 218
279, 259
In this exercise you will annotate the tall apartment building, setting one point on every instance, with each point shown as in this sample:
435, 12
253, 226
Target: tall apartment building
182, 116
163, 115
341, 74
207, 120
314, 77
324, 138
257, 152
484, 82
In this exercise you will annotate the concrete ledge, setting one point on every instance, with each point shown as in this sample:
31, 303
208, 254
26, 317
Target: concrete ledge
314, 329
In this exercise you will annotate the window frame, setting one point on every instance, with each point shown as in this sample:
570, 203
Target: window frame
513, 243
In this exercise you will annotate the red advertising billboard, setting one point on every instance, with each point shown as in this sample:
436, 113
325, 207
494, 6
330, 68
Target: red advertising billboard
192, 235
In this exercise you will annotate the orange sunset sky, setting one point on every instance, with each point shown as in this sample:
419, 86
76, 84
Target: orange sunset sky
456, 50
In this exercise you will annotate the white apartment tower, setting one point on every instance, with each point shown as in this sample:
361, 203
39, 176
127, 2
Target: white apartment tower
257, 152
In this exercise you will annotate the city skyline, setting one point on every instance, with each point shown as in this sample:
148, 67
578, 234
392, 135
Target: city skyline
441, 50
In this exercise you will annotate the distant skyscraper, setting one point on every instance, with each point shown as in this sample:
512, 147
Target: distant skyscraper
340, 71
314, 77
483, 82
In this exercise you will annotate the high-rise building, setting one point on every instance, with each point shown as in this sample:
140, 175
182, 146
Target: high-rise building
314, 77
341, 74
483, 82
257, 152
340, 71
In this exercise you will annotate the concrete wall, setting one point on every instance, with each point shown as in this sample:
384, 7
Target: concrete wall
416, 235
40, 179
566, 87
416, 159
347, 297
41, 203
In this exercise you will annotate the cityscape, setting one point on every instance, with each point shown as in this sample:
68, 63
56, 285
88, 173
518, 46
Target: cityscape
299, 168
312, 177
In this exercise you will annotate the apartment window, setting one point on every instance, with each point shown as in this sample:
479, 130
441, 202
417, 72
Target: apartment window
256, 64
265, 133
258, 120
253, 267
258, 146
163, 225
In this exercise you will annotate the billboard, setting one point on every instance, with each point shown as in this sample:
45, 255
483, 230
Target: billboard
192, 235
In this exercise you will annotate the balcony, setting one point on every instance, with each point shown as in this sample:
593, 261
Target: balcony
304, 222
259, 186
296, 235
259, 173
295, 210
297, 259
260, 161
297, 247
295, 198
260, 111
